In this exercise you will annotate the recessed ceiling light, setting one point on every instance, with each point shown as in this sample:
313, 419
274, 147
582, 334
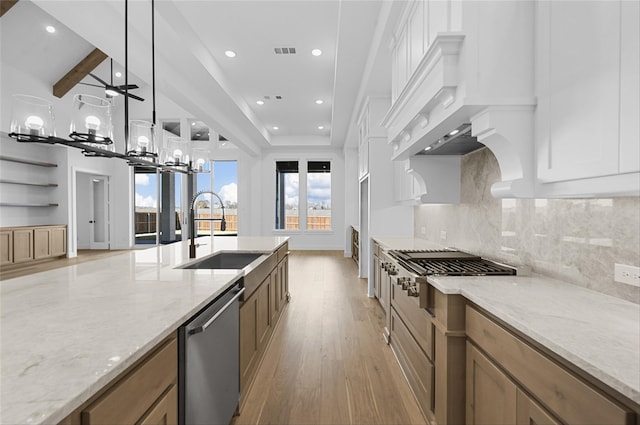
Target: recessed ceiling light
193, 123
316, 52
319, 102
260, 102
428, 148
321, 127
454, 132
230, 53
275, 127
118, 74
50, 29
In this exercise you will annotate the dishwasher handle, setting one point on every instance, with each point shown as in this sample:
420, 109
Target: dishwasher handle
209, 322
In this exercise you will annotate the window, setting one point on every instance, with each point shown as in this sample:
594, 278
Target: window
146, 205
319, 195
199, 131
172, 126
287, 195
224, 180
147, 184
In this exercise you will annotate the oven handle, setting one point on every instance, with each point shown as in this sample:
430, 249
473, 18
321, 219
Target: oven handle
209, 322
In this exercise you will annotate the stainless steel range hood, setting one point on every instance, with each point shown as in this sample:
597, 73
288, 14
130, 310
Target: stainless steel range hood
459, 141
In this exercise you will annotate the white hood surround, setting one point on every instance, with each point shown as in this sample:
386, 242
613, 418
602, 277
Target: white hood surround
463, 77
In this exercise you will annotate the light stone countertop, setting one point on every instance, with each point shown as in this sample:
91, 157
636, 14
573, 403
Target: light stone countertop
68, 332
598, 333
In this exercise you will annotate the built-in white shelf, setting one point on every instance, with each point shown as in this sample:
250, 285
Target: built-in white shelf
27, 161
28, 183
18, 204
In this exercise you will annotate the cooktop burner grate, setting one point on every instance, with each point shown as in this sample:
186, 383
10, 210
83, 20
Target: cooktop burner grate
449, 263
455, 267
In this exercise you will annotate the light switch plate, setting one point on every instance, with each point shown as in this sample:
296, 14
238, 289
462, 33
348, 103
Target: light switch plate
627, 274
443, 235
423, 230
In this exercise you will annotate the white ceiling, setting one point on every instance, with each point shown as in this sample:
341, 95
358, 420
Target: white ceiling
192, 70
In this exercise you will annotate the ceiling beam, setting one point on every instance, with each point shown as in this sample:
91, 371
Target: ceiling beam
5, 5
78, 72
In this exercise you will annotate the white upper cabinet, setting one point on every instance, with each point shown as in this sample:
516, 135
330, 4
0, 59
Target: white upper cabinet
588, 115
550, 87
369, 128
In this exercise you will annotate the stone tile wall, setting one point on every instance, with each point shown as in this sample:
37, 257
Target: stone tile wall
575, 240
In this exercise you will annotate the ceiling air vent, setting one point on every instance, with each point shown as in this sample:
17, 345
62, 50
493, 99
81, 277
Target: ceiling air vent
285, 50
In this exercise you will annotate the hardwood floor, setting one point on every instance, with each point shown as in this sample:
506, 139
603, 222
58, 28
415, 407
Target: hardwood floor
83, 256
327, 362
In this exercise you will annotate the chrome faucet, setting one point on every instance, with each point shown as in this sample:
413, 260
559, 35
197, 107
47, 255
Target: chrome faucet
193, 219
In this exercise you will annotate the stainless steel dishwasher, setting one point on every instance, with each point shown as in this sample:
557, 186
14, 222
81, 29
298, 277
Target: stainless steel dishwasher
209, 362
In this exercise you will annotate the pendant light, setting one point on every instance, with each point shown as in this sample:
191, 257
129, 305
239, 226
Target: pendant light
31, 119
140, 138
91, 127
91, 122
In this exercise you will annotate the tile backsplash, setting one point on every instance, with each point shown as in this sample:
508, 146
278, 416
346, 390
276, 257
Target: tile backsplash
575, 240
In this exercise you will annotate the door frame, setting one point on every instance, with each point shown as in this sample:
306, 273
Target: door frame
107, 219
72, 236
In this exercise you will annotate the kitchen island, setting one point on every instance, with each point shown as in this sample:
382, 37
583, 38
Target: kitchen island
68, 332
527, 326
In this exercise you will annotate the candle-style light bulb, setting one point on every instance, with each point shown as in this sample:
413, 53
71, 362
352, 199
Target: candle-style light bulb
92, 122
200, 164
143, 141
34, 123
177, 155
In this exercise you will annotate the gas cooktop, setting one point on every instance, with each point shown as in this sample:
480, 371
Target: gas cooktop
448, 262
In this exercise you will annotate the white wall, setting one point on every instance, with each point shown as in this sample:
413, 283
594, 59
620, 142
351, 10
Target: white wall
351, 195
83, 192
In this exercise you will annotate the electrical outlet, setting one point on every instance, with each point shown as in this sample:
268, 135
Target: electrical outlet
627, 274
443, 235
423, 230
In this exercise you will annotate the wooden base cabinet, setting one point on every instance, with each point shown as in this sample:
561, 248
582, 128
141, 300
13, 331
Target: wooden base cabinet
449, 341
417, 367
259, 313
491, 395
6, 247
493, 398
355, 245
147, 393
20, 245
528, 412
505, 359
42, 241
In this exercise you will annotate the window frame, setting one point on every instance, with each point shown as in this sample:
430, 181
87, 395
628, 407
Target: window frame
303, 162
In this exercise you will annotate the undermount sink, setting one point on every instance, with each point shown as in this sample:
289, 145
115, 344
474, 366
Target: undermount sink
226, 260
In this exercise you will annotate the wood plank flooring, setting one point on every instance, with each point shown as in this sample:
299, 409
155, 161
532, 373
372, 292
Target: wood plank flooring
327, 362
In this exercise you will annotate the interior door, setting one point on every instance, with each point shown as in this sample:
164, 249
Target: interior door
99, 212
